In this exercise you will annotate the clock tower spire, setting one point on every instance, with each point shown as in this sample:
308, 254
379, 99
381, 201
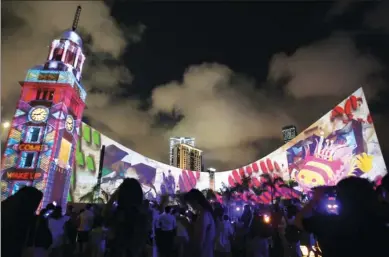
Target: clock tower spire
43, 134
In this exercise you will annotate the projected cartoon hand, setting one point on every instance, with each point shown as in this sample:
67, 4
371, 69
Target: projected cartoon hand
236, 175
188, 180
266, 166
364, 162
269, 166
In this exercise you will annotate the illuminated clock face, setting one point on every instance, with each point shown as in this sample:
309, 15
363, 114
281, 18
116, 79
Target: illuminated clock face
69, 125
39, 114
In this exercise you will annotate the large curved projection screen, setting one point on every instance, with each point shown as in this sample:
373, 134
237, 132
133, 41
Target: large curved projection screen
342, 143
121, 162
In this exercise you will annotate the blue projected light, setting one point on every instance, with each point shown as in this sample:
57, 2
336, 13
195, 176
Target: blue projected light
17, 186
27, 160
33, 134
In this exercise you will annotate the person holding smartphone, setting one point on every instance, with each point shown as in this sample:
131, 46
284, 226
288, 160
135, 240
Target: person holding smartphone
355, 230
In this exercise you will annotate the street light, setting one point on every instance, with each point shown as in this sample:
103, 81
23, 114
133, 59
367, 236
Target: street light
6, 124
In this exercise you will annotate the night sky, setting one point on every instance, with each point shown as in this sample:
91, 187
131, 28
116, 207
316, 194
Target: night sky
243, 36
260, 48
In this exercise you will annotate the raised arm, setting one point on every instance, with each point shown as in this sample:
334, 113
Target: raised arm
108, 207
308, 209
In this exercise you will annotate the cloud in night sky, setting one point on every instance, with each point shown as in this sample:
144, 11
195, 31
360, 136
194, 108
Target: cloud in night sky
339, 6
378, 17
222, 110
232, 120
329, 67
375, 18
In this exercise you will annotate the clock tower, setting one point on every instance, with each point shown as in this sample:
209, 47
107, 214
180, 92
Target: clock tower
43, 134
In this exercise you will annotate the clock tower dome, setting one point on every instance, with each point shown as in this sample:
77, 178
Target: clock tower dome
42, 139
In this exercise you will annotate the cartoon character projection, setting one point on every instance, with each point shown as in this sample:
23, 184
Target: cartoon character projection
333, 158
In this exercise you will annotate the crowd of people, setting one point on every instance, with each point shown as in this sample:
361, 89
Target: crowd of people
130, 226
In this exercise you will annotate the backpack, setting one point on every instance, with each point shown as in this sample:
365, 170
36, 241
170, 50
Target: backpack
292, 234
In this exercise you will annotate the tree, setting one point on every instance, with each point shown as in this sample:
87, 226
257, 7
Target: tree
270, 184
258, 191
289, 184
244, 186
227, 194
209, 194
102, 195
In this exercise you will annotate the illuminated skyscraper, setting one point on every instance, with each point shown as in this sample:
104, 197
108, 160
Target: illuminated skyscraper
187, 157
179, 140
288, 133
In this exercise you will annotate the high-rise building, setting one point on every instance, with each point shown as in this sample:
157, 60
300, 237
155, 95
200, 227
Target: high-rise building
187, 157
179, 140
288, 133
44, 131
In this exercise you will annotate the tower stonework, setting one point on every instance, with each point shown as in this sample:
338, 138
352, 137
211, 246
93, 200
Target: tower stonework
42, 139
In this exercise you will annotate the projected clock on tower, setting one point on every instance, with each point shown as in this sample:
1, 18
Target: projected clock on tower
39, 114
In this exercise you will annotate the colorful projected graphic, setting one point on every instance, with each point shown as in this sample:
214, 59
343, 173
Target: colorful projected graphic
342, 143
64, 153
44, 131
119, 163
